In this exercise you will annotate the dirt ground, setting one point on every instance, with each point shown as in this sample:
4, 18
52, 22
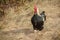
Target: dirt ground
16, 25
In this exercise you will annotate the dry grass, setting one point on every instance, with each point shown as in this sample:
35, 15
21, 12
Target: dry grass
16, 24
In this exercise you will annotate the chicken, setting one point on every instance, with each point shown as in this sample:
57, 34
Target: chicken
37, 20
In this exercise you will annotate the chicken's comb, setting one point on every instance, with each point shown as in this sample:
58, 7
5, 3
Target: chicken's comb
35, 9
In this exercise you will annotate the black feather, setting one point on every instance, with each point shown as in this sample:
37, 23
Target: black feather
37, 21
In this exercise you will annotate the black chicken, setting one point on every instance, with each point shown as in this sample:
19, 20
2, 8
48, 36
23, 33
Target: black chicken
38, 20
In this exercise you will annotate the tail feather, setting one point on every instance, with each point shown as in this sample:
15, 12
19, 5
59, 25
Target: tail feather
43, 15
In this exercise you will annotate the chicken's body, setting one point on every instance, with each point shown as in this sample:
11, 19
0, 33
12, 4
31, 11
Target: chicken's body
38, 20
